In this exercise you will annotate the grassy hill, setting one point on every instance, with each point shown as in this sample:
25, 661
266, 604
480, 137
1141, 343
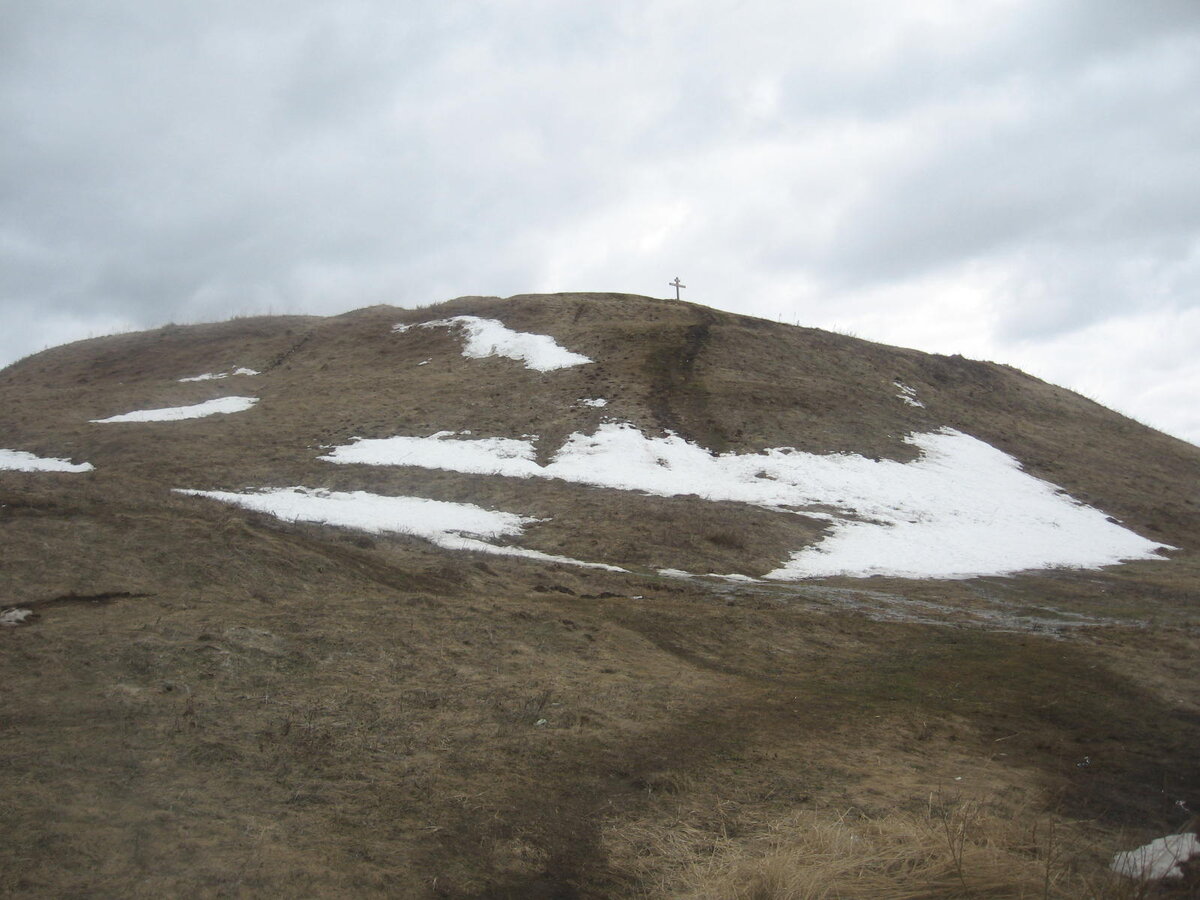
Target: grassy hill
209, 701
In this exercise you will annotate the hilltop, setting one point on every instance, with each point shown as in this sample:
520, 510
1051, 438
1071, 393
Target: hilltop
559, 595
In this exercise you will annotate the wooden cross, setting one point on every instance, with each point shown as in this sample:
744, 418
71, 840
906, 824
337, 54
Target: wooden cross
675, 284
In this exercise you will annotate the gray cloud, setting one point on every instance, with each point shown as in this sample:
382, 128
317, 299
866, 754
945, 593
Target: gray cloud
165, 162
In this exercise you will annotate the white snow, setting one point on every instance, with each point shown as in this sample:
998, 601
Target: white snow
21, 461
1161, 858
675, 573
597, 402
11, 618
908, 395
962, 508
454, 526
490, 337
175, 413
209, 376
482, 456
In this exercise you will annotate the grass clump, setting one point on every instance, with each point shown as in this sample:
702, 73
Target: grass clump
953, 847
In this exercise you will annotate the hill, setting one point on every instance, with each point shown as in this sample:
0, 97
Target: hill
582, 595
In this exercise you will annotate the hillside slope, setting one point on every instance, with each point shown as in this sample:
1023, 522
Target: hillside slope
213, 700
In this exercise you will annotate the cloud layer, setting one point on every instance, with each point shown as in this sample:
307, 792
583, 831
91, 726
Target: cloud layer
1009, 179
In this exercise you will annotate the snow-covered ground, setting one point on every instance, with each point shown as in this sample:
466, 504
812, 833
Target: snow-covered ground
11, 618
175, 413
1161, 858
908, 394
454, 526
211, 376
963, 508
21, 461
490, 337
481, 456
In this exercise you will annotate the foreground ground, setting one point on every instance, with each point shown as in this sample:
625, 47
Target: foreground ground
235, 706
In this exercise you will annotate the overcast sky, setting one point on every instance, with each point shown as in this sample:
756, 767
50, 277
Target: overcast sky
1016, 180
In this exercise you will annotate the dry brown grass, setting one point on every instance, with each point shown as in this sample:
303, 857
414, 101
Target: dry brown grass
209, 702
952, 848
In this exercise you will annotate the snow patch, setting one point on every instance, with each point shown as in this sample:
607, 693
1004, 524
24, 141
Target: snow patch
479, 456
210, 376
675, 573
21, 461
907, 394
453, 526
175, 413
597, 402
490, 337
1161, 858
962, 508
11, 618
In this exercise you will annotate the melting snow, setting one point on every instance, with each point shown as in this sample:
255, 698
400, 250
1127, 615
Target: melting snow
454, 526
10, 618
908, 395
489, 337
597, 402
174, 413
209, 376
1160, 858
675, 573
21, 461
963, 508
482, 456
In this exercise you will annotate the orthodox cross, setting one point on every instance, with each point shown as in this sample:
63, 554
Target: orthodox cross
675, 284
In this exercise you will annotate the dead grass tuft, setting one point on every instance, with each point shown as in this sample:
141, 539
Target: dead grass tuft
951, 848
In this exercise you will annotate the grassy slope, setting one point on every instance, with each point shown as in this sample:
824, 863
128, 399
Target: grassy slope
211, 702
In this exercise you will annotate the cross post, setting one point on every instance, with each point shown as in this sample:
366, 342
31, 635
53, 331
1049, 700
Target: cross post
675, 284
